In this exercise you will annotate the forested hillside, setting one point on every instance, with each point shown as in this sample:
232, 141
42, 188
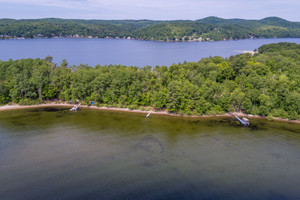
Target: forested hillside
267, 84
207, 29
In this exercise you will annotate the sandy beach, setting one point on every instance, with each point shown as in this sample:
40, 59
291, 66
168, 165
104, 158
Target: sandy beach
251, 52
15, 106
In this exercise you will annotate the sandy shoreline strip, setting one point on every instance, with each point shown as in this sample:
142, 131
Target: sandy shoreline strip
15, 106
251, 52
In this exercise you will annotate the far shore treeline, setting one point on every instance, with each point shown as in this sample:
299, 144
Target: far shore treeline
267, 83
207, 29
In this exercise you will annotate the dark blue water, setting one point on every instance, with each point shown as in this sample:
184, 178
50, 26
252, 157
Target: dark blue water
125, 52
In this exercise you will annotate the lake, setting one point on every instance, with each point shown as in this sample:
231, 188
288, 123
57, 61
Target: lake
126, 52
52, 153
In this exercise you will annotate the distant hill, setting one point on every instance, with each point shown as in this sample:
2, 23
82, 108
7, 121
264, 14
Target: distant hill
206, 29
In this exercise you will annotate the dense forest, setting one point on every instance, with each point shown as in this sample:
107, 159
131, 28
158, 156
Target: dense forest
207, 29
267, 83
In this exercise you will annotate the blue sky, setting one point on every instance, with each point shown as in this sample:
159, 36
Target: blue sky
149, 9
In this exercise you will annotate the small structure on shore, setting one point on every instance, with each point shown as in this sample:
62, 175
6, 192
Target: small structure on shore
244, 120
75, 108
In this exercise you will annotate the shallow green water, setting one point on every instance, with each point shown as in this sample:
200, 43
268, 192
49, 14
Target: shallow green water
51, 153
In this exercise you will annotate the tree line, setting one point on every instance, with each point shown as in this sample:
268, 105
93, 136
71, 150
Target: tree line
267, 83
210, 28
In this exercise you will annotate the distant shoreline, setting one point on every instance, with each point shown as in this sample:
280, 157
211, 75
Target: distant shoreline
139, 39
15, 107
113, 38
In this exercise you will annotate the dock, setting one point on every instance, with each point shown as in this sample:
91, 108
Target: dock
148, 114
75, 108
243, 121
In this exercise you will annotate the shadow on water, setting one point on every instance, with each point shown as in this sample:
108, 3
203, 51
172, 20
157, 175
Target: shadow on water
32, 118
48, 109
290, 129
150, 144
222, 121
60, 111
131, 123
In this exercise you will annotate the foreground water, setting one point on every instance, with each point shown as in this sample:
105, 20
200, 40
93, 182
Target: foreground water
126, 52
51, 153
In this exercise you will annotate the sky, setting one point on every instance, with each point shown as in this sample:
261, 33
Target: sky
149, 9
